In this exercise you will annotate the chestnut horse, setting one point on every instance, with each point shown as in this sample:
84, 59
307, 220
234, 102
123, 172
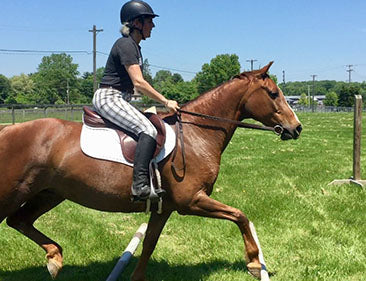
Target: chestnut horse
41, 165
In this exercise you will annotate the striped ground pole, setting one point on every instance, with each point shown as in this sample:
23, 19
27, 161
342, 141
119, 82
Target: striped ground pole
128, 253
264, 272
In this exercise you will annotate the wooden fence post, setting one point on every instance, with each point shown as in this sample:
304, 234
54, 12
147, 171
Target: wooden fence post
356, 179
357, 138
13, 114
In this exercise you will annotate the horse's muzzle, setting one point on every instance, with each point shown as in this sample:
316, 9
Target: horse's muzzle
291, 134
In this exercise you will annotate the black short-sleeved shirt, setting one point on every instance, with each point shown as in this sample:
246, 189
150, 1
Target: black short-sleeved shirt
125, 51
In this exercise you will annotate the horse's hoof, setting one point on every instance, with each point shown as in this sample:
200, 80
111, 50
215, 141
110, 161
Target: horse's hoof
53, 267
254, 269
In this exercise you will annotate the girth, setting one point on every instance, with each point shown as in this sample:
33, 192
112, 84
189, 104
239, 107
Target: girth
128, 140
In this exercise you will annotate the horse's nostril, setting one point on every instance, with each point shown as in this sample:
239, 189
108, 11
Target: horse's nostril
299, 129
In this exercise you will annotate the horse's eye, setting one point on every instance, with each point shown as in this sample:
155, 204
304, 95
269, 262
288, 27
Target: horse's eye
273, 95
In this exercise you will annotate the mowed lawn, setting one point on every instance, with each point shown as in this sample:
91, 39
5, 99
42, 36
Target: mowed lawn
308, 230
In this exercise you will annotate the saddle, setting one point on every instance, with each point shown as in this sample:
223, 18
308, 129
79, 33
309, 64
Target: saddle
128, 140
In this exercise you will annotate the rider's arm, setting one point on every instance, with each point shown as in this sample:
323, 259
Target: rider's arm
142, 86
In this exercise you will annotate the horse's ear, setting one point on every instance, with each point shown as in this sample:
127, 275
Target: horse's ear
265, 69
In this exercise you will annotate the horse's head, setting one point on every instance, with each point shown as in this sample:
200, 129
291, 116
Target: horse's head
265, 102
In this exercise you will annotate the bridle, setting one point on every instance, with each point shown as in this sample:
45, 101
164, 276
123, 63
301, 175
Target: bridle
278, 130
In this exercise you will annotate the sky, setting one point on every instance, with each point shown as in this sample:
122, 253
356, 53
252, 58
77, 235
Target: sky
302, 37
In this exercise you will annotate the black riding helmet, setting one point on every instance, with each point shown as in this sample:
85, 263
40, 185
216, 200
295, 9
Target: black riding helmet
134, 9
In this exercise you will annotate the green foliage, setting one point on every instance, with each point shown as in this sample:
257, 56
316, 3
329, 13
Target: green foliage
172, 86
304, 100
331, 99
347, 93
220, 69
4, 88
22, 90
56, 74
274, 78
297, 88
85, 85
147, 72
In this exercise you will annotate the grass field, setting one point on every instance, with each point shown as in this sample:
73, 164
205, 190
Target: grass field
308, 230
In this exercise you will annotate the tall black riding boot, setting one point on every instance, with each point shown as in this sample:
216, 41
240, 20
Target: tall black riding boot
145, 149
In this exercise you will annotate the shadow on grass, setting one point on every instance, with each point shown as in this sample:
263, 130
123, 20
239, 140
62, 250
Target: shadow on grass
156, 271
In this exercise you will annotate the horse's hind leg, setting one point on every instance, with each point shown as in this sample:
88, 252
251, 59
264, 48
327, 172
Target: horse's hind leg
202, 205
23, 219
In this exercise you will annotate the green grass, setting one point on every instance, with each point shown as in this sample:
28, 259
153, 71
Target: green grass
308, 230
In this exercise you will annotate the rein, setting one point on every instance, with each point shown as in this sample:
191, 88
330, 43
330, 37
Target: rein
276, 129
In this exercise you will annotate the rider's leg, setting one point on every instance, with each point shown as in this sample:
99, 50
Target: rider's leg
144, 153
110, 104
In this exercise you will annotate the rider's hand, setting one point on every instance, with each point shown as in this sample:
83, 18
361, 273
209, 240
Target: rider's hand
172, 105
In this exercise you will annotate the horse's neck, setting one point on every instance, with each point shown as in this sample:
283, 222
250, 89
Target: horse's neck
221, 102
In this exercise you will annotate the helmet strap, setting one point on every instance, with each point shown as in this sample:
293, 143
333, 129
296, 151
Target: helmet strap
142, 20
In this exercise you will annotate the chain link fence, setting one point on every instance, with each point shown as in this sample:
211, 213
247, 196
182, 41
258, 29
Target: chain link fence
11, 114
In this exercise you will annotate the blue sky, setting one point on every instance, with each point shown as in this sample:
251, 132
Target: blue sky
303, 37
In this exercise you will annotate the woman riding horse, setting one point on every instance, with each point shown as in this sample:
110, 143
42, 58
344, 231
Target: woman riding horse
123, 73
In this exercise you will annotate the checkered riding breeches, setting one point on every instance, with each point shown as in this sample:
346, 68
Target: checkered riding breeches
110, 104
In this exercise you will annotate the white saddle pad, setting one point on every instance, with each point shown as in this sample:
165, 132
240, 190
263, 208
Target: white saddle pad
104, 143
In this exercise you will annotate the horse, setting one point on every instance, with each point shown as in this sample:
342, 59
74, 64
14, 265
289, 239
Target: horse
42, 165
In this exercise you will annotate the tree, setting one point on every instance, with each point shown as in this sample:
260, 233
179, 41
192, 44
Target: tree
331, 99
86, 84
4, 88
347, 93
220, 69
162, 76
22, 90
181, 92
56, 75
274, 78
304, 100
176, 77
147, 72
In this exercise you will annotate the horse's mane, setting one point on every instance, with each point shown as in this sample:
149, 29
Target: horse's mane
241, 76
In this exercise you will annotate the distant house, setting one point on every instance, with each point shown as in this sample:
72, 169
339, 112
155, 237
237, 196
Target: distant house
293, 100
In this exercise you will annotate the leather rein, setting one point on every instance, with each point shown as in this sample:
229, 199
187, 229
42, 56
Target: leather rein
278, 130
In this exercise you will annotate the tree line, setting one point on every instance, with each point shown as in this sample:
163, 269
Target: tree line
58, 81
337, 93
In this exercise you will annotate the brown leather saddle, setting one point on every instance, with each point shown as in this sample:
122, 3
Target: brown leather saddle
128, 139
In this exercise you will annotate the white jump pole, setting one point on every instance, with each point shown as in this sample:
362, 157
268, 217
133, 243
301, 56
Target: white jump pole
128, 253
264, 272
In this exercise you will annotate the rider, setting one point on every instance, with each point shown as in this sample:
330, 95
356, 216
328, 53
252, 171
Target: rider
123, 73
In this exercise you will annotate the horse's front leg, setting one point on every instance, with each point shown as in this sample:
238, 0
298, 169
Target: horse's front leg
202, 205
154, 228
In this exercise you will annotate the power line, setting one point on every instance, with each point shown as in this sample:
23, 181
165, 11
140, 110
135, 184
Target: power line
14, 51
172, 69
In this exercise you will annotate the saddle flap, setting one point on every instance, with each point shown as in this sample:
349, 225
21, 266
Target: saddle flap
127, 139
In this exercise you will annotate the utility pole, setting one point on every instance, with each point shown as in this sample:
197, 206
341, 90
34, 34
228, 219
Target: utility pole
313, 100
349, 72
251, 64
283, 77
95, 31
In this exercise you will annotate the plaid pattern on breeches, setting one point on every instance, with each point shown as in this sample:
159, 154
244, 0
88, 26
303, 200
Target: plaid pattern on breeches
109, 103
